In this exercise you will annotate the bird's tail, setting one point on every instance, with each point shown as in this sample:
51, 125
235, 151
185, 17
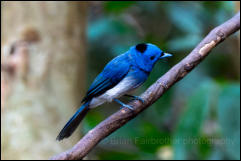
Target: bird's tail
74, 121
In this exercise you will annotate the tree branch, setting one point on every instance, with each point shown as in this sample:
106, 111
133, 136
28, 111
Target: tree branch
153, 93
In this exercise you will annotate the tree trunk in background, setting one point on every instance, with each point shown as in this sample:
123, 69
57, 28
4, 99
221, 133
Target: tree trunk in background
43, 75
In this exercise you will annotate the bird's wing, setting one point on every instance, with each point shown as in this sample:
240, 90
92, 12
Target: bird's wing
111, 75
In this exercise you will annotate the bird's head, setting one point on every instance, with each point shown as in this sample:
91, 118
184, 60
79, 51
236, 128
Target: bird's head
146, 55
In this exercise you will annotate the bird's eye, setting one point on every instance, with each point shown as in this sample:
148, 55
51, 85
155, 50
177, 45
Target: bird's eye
152, 57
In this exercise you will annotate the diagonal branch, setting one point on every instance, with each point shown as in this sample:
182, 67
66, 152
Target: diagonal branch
153, 93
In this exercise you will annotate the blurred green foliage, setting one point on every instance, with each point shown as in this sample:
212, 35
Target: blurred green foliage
192, 119
229, 118
199, 117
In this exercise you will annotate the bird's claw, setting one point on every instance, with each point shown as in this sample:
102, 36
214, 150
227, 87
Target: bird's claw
123, 104
138, 98
127, 106
135, 98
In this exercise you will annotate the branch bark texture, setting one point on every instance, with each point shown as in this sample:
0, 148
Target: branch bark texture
154, 92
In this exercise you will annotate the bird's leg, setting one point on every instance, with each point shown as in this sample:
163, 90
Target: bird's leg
123, 104
135, 98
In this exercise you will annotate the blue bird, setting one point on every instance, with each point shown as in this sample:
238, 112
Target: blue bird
121, 75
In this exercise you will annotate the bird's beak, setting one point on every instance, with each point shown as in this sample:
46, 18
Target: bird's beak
166, 55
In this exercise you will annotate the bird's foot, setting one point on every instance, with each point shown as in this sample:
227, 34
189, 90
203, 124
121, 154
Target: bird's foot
127, 106
123, 104
135, 98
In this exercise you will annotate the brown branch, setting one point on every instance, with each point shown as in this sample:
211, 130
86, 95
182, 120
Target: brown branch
153, 93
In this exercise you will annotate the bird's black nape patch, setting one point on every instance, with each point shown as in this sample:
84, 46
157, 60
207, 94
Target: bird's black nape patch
141, 47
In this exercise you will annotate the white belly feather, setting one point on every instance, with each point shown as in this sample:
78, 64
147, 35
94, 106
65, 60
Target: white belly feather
123, 87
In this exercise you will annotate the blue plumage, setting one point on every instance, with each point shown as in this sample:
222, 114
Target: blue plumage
123, 74
73, 122
112, 74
